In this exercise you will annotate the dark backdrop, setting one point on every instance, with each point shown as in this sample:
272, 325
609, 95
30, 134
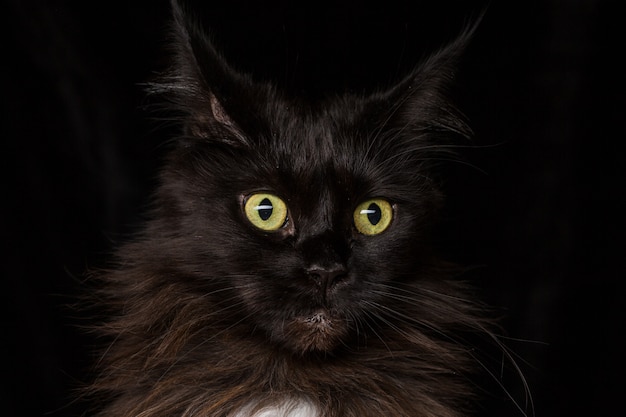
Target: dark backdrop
543, 86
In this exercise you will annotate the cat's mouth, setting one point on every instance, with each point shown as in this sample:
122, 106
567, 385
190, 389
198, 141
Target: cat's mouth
320, 320
319, 331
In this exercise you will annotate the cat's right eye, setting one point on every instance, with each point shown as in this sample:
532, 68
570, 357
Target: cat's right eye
266, 211
372, 217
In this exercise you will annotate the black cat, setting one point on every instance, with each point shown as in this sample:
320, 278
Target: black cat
287, 268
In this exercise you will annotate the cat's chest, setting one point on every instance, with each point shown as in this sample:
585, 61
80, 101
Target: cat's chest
283, 408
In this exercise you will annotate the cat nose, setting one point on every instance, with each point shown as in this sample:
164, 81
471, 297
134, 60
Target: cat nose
326, 278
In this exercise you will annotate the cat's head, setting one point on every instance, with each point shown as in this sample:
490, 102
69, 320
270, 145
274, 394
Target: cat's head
304, 222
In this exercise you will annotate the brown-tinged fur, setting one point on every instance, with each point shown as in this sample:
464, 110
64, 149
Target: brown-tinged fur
208, 315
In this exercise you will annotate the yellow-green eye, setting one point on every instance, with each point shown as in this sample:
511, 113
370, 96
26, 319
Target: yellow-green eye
372, 217
266, 211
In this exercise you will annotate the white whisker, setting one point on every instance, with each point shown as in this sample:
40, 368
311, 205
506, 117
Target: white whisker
424, 296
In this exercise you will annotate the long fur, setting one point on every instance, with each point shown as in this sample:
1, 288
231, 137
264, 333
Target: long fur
208, 316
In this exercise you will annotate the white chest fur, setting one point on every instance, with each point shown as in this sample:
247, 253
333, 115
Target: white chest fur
286, 408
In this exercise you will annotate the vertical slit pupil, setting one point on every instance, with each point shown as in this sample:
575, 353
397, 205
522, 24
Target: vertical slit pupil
265, 209
374, 213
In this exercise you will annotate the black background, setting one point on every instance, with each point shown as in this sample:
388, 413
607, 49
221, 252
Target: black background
543, 86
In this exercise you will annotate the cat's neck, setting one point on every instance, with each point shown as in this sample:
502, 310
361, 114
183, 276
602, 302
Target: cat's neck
283, 408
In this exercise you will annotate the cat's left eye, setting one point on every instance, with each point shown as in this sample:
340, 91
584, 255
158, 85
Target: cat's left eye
372, 217
266, 211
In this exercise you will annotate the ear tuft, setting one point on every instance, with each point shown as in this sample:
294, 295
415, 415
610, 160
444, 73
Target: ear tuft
200, 82
421, 102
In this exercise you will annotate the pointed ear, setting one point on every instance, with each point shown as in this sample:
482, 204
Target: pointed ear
420, 103
201, 85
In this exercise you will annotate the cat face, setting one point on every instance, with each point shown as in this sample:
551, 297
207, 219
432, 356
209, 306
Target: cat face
305, 229
301, 219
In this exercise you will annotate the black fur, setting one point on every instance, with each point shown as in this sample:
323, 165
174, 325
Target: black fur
210, 314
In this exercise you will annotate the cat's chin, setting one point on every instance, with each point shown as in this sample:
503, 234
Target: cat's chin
320, 331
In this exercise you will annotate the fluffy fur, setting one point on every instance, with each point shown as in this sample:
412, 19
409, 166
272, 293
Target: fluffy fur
210, 316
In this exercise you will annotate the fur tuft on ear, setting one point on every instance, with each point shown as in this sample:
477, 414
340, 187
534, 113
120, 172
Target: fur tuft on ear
422, 102
201, 85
